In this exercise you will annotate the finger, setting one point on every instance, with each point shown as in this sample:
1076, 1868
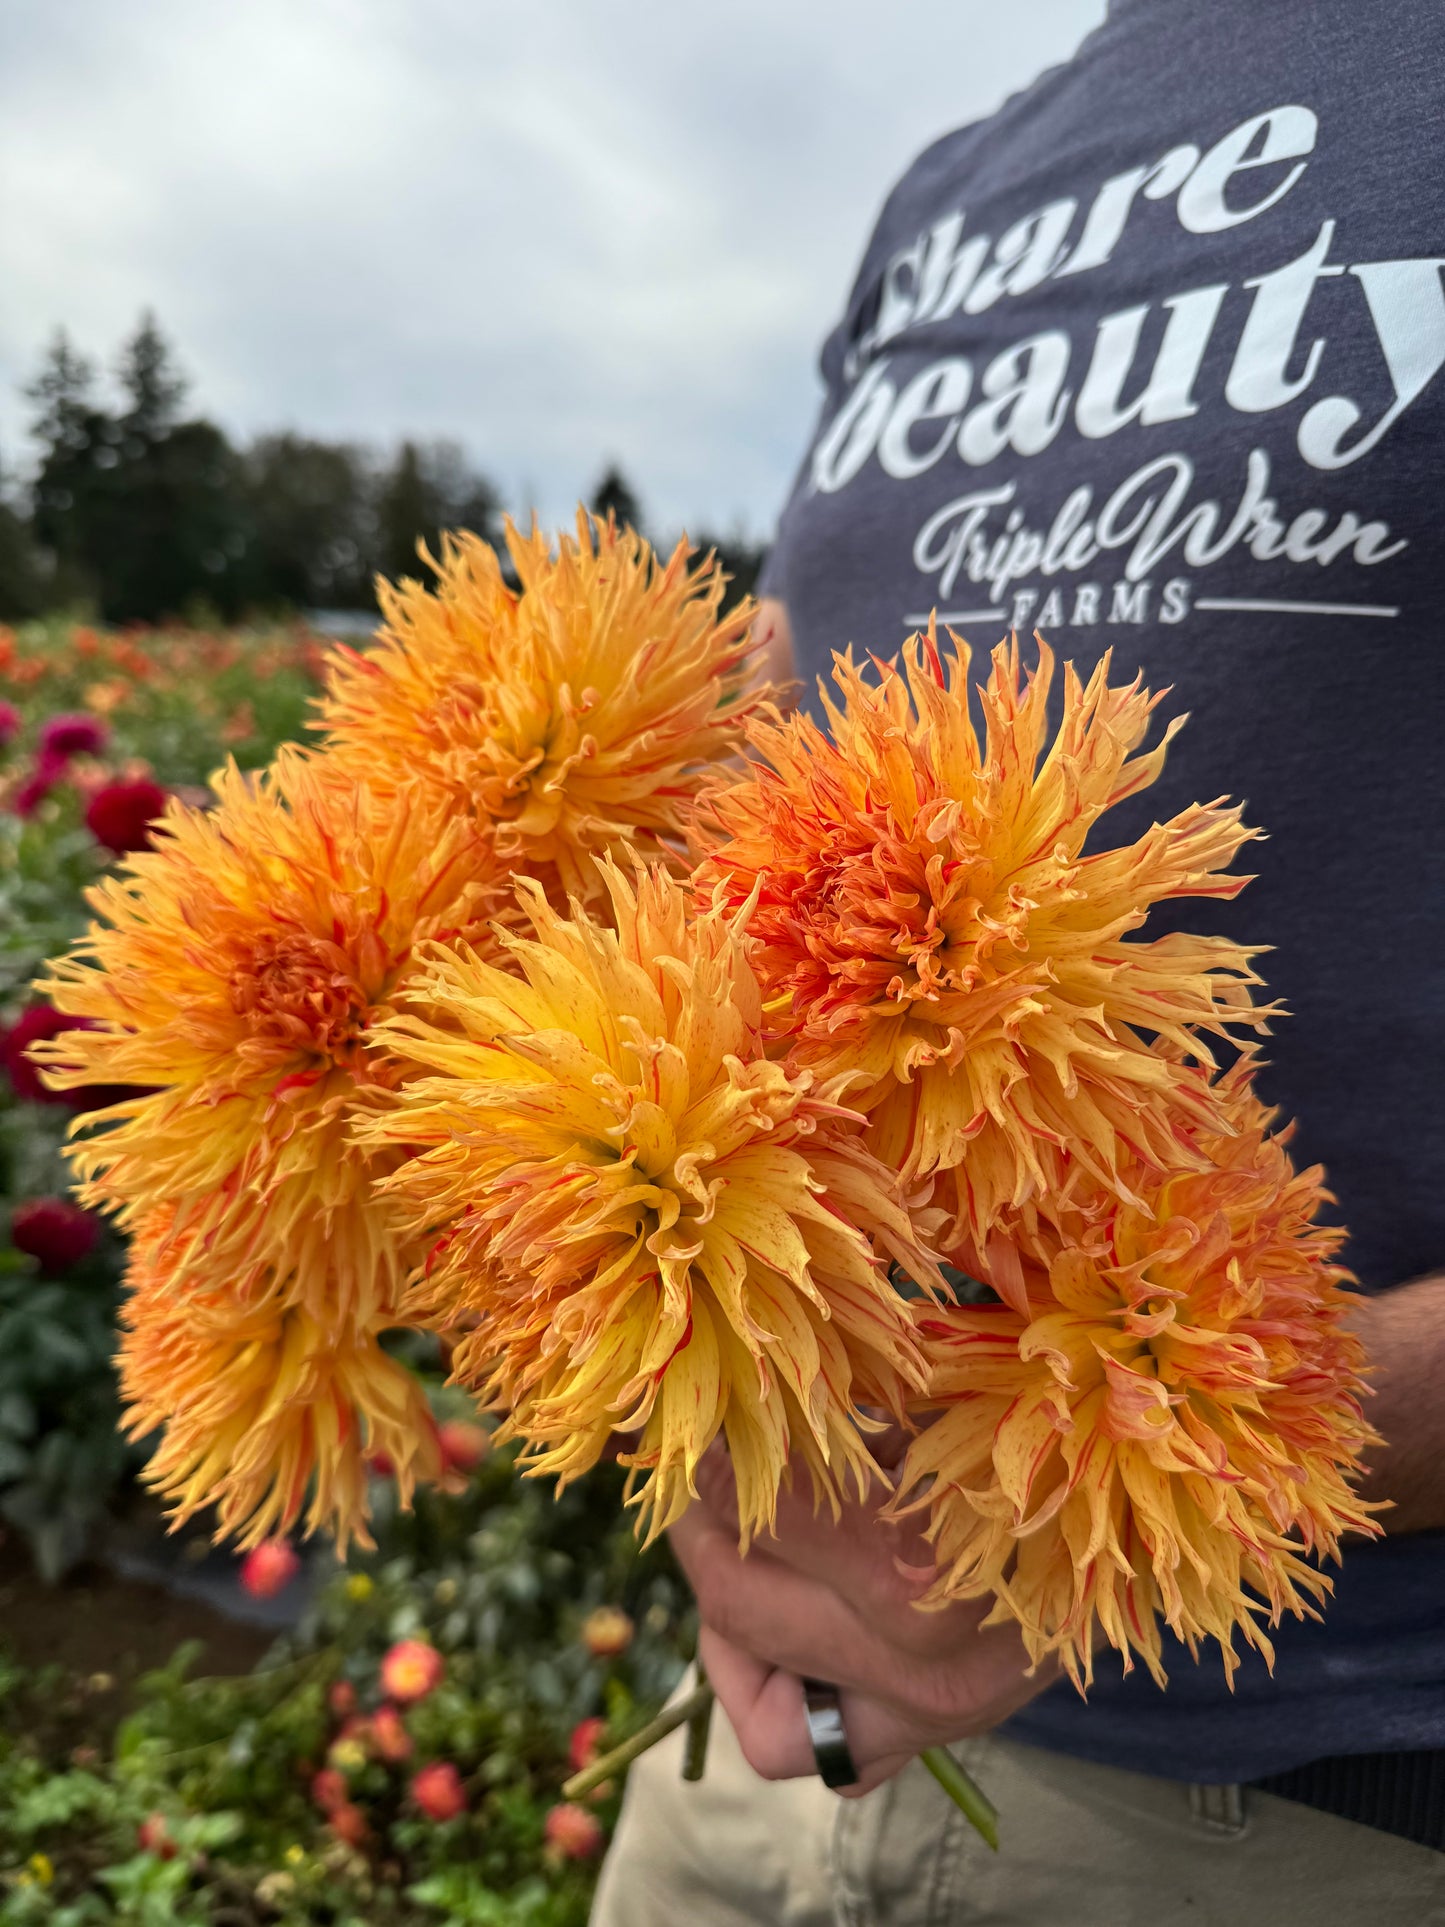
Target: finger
783, 1619
780, 1617
880, 1567
764, 1707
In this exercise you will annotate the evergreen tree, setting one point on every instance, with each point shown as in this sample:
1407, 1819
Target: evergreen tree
77, 446
62, 396
464, 499
404, 512
153, 385
430, 487
172, 531
23, 587
312, 524
141, 511
741, 561
613, 495
174, 537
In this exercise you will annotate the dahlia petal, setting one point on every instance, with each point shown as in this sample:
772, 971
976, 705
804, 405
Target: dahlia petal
1161, 1418
573, 718
927, 921
258, 1406
698, 1250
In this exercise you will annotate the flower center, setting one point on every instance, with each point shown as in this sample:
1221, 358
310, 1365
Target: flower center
296, 994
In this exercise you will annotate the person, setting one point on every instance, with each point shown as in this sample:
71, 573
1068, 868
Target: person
1150, 361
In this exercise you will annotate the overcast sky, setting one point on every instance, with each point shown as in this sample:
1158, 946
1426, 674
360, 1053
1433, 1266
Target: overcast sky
563, 232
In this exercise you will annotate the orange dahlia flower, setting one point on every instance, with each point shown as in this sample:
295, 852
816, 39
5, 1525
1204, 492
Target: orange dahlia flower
1161, 1421
267, 1413
573, 718
929, 920
235, 974
647, 1226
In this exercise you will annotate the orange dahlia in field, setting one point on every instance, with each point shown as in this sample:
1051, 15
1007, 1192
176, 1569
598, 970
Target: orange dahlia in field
268, 1413
646, 1226
235, 972
1161, 1420
570, 719
929, 919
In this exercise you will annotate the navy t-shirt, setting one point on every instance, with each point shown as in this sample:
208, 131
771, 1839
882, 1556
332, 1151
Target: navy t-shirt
1154, 360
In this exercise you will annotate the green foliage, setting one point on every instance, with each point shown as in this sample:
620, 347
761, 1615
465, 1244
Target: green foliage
61, 1453
181, 700
218, 1771
46, 866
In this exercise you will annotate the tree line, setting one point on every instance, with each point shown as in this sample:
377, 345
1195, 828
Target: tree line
141, 511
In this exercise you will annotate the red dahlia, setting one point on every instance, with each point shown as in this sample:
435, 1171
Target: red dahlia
33, 1026
120, 815
77, 735
55, 1231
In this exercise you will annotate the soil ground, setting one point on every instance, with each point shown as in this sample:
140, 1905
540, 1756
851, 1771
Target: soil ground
104, 1632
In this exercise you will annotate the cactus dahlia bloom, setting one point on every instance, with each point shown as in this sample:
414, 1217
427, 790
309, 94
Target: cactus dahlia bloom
1163, 1420
646, 1226
262, 1404
571, 719
236, 972
928, 917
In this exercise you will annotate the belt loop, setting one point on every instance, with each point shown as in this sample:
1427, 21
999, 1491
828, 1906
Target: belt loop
1218, 1809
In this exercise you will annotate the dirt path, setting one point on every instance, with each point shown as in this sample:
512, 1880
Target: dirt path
104, 1632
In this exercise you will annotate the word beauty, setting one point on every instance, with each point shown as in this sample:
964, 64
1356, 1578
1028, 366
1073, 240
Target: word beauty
1024, 400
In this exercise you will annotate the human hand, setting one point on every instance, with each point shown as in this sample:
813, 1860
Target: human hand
835, 1601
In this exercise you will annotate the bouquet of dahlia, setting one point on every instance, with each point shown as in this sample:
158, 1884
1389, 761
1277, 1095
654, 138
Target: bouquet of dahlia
571, 1002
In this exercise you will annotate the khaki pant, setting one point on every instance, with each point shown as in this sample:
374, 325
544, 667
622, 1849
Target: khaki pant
1082, 1846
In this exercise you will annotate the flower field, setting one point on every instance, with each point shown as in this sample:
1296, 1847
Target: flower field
97, 730
399, 1756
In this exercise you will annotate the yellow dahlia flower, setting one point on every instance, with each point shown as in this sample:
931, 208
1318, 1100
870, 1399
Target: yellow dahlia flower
647, 1227
1161, 1421
261, 1404
570, 720
928, 917
235, 974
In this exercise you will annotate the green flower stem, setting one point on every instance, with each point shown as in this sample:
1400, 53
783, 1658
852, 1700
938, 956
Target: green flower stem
694, 1762
667, 1721
695, 1712
964, 1791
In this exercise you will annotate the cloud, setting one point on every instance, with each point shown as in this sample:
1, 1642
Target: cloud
562, 233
